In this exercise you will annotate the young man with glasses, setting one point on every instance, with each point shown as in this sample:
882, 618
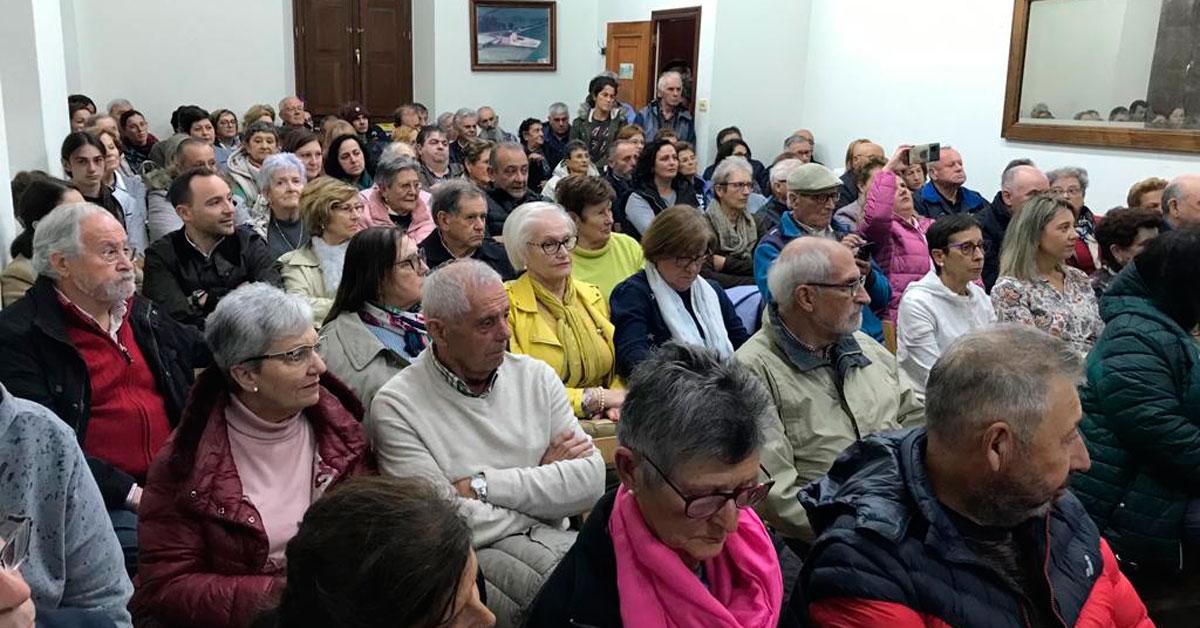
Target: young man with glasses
111, 364
947, 302
830, 384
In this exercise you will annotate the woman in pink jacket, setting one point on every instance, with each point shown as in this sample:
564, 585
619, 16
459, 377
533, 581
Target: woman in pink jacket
894, 230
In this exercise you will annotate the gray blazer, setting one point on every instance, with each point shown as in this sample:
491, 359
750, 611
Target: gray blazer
356, 357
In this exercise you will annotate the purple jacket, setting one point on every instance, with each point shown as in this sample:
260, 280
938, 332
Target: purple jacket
900, 247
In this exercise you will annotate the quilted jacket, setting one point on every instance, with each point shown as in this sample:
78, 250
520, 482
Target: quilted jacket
900, 246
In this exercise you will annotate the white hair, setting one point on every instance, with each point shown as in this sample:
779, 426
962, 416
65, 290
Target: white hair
287, 98
788, 271
728, 166
444, 291
662, 80
781, 170
518, 228
250, 319
119, 102
558, 107
396, 150
1067, 172
59, 232
463, 114
279, 162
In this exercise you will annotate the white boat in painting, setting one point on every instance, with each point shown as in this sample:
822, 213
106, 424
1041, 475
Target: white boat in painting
506, 46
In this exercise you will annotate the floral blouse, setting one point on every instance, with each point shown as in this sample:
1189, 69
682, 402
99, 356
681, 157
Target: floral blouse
1073, 316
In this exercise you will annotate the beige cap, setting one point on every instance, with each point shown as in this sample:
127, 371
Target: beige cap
812, 177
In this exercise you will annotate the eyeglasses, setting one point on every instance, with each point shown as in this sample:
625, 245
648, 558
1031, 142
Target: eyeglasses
1071, 191
297, 356
551, 247
411, 186
684, 263
349, 208
704, 506
14, 541
740, 185
415, 262
966, 248
822, 199
854, 285
112, 254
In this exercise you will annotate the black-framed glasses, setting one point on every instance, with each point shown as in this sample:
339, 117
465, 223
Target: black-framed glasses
822, 199
297, 356
684, 263
550, 247
415, 262
854, 285
14, 541
704, 506
966, 248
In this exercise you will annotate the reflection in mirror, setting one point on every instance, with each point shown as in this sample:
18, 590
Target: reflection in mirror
1112, 63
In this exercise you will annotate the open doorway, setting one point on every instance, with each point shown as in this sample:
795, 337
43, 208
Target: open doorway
677, 47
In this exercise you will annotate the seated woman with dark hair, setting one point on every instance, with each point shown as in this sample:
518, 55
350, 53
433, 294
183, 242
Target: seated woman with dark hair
265, 433
371, 331
40, 197
602, 257
377, 553
346, 159
668, 299
678, 543
1122, 236
657, 185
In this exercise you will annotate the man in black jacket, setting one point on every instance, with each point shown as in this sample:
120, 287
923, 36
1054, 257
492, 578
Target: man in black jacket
1018, 184
109, 363
188, 271
509, 168
460, 212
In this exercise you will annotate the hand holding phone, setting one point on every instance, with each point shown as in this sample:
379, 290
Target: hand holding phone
923, 154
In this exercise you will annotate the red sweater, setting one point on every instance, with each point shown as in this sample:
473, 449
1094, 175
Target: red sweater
127, 419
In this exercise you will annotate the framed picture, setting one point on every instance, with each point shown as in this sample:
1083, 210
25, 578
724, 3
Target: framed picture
513, 35
1104, 73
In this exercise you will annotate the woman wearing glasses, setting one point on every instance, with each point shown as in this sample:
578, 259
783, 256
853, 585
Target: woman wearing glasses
736, 233
556, 318
668, 299
894, 230
397, 200
371, 331
947, 302
678, 543
264, 435
330, 210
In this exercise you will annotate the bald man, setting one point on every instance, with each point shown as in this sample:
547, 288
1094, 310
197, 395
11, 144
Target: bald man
1017, 185
946, 191
848, 191
1181, 201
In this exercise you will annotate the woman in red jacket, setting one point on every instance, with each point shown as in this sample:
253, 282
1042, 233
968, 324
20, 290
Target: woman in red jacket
264, 434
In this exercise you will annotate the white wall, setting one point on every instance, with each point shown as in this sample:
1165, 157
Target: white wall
174, 54
950, 91
22, 101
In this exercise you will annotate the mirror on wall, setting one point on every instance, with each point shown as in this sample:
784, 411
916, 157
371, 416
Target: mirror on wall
1105, 73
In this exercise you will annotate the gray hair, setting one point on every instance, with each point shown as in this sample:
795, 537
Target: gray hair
488, 107
177, 152
449, 195
464, 113
59, 232
612, 148
781, 170
792, 140
789, 271
1175, 190
392, 151
493, 158
119, 102
1067, 172
662, 79
558, 108
518, 228
445, 120
386, 171
249, 320
95, 118
1009, 176
277, 163
728, 166
685, 403
1002, 373
287, 98
444, 291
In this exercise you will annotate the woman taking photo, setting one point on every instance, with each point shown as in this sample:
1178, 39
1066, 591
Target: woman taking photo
894, 230
1036, 287
329, 210
668, 299
657, 185
259, 141
598, 127
556, 318
372, 330
264, 435
346, 160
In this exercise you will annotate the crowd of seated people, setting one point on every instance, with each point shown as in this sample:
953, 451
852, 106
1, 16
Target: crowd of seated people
585, 381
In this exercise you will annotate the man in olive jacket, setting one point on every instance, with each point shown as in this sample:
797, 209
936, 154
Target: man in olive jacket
830, 383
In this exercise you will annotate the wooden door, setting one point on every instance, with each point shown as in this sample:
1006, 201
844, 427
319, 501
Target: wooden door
385, 28
325, 70
630, 54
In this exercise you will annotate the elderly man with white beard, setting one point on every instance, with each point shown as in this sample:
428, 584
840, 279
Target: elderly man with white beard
108, 362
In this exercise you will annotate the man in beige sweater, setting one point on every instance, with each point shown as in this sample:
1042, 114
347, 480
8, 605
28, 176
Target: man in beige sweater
494, 430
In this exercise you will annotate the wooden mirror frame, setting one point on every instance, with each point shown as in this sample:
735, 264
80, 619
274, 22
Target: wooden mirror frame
1084, 135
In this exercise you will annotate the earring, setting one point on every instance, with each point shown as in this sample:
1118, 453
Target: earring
255, 389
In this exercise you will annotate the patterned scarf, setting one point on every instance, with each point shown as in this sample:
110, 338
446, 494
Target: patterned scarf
734, 239
408, 325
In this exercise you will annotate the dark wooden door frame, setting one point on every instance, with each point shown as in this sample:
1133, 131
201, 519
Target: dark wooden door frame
673, 14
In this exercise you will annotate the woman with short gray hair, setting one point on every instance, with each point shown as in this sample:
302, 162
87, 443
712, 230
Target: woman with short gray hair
736, 231
678, 540
276, 214
395, 199
259, 141
265, 433
556, 318
1070, 184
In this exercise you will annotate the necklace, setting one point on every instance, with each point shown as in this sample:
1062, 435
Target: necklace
286, 240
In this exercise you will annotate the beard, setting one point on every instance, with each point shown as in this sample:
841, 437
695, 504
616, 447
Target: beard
1006, 501
853, 323
117, 290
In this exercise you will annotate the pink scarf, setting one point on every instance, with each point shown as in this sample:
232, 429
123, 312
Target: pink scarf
657, 589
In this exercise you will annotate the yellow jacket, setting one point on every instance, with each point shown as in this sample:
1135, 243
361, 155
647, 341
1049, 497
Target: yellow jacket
533, 335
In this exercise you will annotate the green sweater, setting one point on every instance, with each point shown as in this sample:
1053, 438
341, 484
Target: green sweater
608, 265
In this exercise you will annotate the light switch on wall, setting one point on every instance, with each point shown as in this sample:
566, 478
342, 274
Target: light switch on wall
702, 104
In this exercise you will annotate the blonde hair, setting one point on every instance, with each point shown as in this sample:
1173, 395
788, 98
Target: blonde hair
96, 132
317, 201
1018, 257
256, 112
406, 134
335, 130
1141, 188
850, 150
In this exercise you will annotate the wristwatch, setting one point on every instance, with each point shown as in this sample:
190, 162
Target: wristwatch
479, 485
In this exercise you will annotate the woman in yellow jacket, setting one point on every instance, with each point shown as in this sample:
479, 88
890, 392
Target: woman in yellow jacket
555, 318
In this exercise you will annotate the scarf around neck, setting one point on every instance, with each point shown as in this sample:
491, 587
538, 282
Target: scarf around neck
657, 589
408, 326
734, 238
587, 358
711, 332
332, 259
